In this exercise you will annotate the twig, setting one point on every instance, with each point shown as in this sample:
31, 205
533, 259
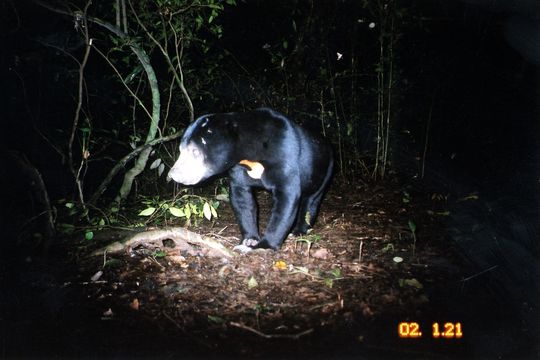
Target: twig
480, 273
271, 336
426, 142
178, 75
80, 99
115, 69
360, 252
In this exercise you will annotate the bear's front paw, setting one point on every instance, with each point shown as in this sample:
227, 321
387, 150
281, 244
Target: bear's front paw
265, 244
250, 242
246, 246
242, 248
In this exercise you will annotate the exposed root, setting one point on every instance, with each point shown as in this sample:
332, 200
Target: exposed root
182, 238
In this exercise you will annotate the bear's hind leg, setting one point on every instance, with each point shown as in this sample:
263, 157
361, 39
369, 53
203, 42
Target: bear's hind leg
303, 220
284, 211
309, 206
307, 213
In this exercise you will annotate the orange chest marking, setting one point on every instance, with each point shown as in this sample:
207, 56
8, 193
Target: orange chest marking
256, 169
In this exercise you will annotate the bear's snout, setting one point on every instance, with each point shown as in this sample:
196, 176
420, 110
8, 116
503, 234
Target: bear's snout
191, 167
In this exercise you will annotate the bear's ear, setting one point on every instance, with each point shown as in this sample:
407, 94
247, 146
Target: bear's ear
231, 129
231, 124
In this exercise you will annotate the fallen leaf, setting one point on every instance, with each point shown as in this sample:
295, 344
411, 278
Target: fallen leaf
301, 269
224, 271
472, 196
280, 265
216, 319
414, 283
96, 276
366, 310
252, 283
320, 254
134, 304
178, 259
388, 298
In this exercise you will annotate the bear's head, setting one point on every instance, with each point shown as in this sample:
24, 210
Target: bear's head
206, 149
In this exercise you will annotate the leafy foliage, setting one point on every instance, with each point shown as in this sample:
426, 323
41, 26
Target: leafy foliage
190, 207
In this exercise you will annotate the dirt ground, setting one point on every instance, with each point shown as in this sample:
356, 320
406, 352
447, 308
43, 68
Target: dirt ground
363, 275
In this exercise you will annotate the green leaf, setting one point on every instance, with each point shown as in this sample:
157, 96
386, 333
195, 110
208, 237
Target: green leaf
89, 235
148, 211
414, 283
307, 218
336, 272
412, 226
388, 247
159, 254
329, 282
252, 282
222, 197
198, 21
70, 205
215, 319
155, 164
176, 212
214, 211
207, 212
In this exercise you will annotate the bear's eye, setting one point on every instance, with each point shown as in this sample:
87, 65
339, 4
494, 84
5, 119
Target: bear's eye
195, 152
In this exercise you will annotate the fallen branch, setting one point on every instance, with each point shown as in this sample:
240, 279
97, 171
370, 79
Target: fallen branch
271, 336
183, 238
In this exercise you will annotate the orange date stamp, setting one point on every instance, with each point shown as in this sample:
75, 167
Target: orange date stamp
446, 330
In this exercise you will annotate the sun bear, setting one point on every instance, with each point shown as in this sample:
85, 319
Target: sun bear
259, 149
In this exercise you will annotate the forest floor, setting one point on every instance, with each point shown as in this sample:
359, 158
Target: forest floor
344, 297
